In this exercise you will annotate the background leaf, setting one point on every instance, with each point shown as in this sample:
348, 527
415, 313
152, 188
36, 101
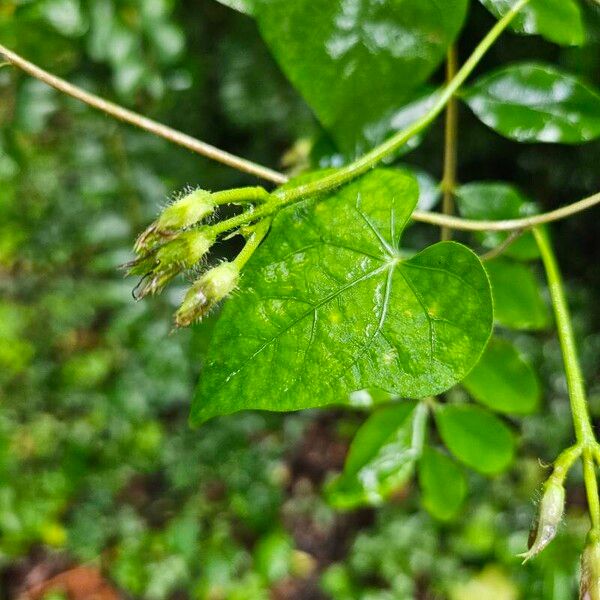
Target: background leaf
328, 306
244, 6
491, 200
476, 437
443, 484
518, 301
557, 20
530, 102
381, 458
355, 62
502, 380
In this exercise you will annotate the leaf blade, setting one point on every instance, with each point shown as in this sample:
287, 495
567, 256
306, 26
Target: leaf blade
358, 61
443, 484
531, 102
328, 307
503, 381
475, 437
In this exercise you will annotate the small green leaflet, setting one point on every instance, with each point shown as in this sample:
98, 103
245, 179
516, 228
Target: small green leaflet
557, 20
358, 61
518, 301
495, 200
476, 437
530, 102
502, 380
443, 484
329, 305
381, 458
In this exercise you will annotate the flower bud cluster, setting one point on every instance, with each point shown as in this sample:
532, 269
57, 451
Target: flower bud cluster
164, 262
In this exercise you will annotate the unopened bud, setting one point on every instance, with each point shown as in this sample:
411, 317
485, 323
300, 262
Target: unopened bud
186, 249
206, 292
548, 519
589, 588
159, 266
183, 213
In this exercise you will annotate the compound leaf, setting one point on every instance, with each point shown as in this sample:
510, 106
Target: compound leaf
329, 305
476, 437
530, 102
381, 458
502, 380
443, 484
518, 301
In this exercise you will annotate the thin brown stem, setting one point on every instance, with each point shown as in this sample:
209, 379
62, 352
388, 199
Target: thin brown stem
511, 238
450, 144
507, 224
128, 116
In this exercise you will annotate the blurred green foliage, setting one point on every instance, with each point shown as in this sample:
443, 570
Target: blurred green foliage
97, 463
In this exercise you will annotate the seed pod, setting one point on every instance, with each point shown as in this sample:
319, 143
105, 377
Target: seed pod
206, 292
589, 588
183, 213
546, 523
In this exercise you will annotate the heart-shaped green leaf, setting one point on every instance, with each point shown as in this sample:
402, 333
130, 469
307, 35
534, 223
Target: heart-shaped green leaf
502, 380
476, 437
381, 458
329, 305
491, 200
557, 20
536, 103
443, 484
518, 301
358, 61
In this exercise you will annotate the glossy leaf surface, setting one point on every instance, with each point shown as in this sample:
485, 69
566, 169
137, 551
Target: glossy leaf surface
518, 301
244, 6
381, 458
530, 102
503, 381
328, 305
557, 20
443, 484
494, 201
476, 437
358, 61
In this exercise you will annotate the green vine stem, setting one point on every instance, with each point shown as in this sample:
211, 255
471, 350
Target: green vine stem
586, 440
259, 231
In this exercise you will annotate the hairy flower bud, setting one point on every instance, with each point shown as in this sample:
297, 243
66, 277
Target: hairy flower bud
589, 588
159, 266
549, 516
183, 213
206, 292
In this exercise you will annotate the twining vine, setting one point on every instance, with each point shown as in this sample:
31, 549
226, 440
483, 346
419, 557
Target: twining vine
185, 232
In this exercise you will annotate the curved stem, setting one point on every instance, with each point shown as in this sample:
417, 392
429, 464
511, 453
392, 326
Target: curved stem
128, 116
256, 237
579, 410
507, 224
511, 238
450, 143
